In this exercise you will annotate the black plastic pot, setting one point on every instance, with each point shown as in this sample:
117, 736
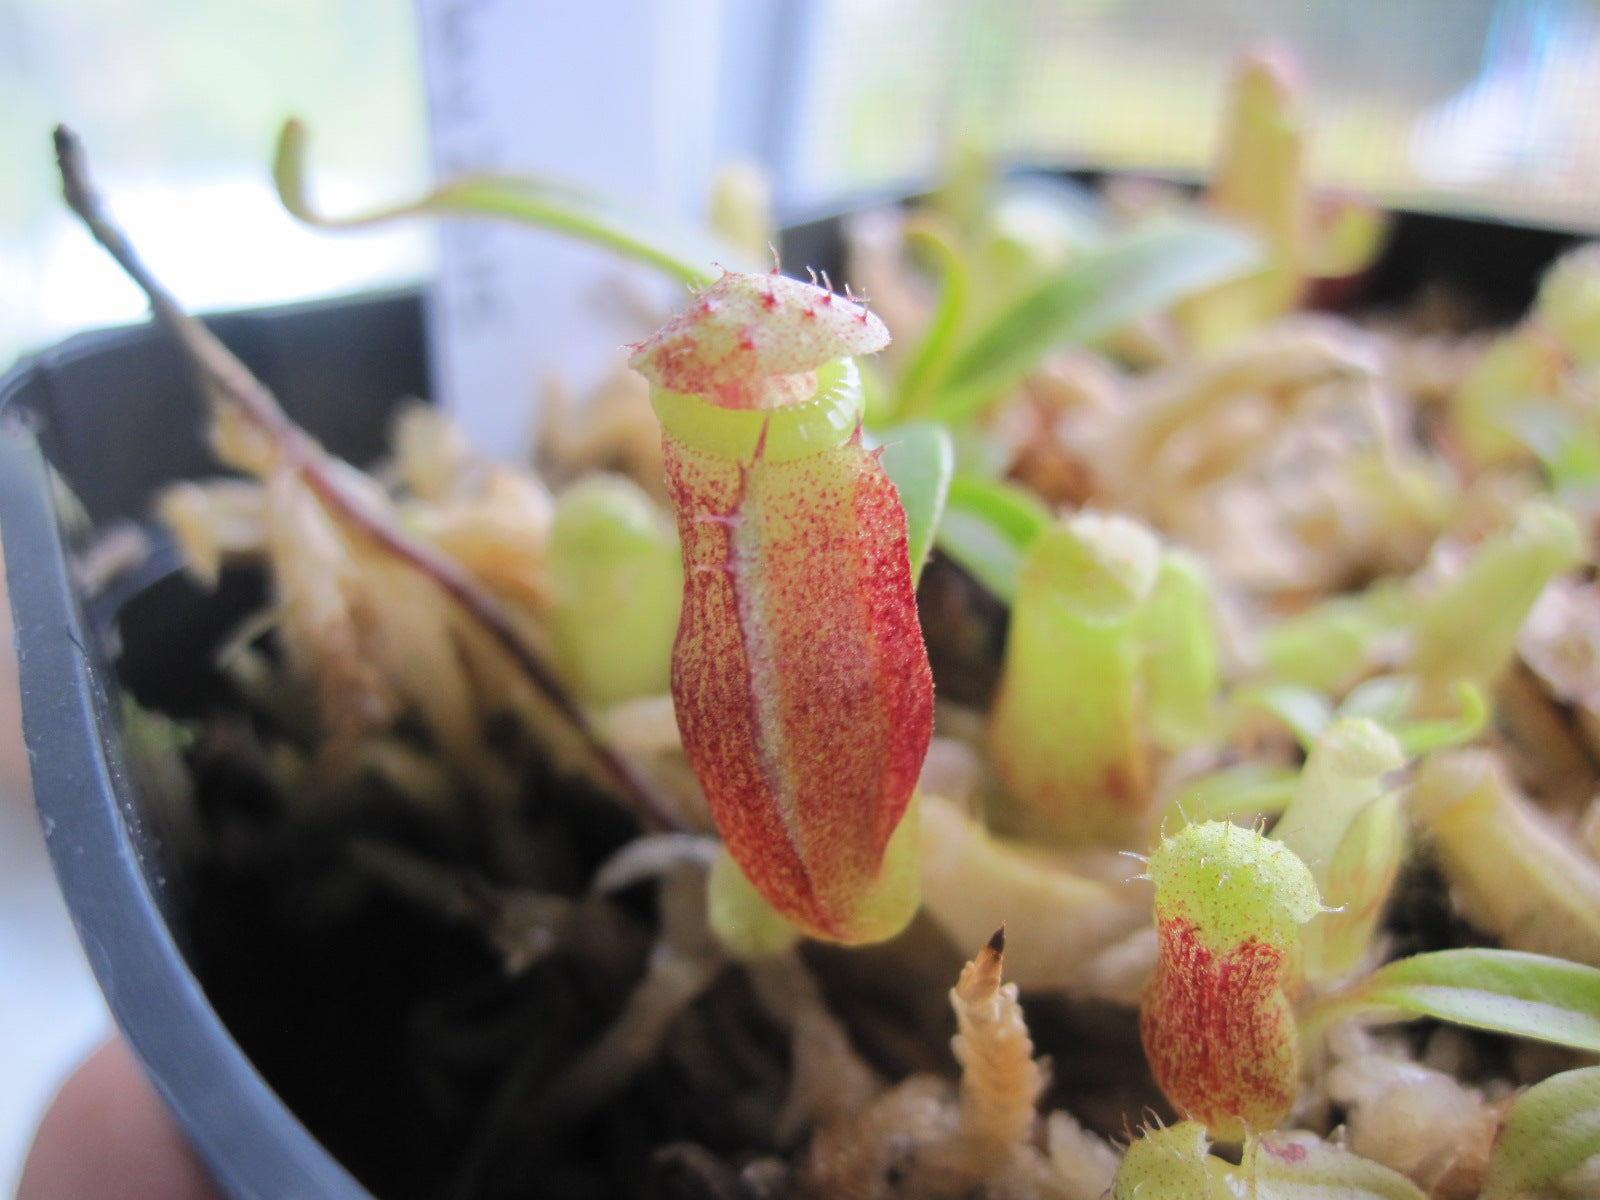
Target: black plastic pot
117, 416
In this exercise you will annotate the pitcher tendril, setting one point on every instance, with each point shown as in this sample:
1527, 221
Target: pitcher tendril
799, 675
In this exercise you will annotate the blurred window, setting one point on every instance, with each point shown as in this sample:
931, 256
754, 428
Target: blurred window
1475, 106
178, 103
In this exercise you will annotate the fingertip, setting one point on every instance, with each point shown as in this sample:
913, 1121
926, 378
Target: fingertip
108, 1136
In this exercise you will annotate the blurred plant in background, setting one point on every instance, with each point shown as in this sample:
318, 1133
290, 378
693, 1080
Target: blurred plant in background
1264, 583
1476, 105
1254, 560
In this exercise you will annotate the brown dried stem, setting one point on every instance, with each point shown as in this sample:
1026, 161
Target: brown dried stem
228, 381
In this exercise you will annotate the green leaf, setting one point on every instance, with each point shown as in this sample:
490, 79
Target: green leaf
1299, 1166
1306, 711
684, 254
1551, 1128
1346, 241
1330, 645
987, 529
921, 459
1136, 274
1388, 699
1385, 699
1569, 449
1577, 462
1506, 991
932, 356
1237, 791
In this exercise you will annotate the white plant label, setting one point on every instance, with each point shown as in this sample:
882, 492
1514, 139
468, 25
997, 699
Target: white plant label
612, 95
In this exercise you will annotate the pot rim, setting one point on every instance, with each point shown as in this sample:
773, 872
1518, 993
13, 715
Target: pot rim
108, 860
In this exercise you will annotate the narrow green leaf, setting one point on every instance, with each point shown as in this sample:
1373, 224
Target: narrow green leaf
932, 356
1244, 790
987, 529
1577, 465
684, 254
1388, 699
1506, 991
1422, 737
1330, 645
1306, 711
1385, 699
1569, 449
1348, 240
1138, 273
921, 459
1552, 1127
